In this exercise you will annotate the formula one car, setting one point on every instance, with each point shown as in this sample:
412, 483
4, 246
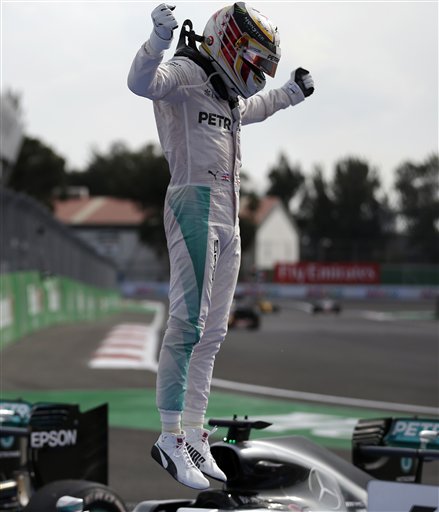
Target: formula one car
244, 313
265, 305
326, 306
51, 450
63, 468
294, 474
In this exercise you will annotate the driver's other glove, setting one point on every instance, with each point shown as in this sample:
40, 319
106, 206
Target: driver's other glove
164, 26
299, 86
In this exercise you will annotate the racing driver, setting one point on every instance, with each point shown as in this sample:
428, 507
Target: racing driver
201, 98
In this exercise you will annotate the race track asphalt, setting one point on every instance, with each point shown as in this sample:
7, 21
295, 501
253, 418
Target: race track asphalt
355, 354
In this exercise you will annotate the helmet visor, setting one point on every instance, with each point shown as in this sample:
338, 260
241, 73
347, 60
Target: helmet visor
261, 58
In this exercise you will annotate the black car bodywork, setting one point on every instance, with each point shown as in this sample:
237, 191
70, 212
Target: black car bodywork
51, 449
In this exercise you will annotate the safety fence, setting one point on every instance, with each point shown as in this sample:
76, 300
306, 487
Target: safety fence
31, 239
29, 301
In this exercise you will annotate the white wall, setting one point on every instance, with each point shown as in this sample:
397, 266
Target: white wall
276, 240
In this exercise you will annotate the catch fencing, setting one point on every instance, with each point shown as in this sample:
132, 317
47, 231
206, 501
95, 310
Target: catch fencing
31, 239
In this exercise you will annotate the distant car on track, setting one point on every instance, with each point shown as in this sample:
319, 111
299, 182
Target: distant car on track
247, 308
244, 313
326, 306
267, 306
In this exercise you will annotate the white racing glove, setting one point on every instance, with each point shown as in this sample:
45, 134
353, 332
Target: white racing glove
164, 26
299, 86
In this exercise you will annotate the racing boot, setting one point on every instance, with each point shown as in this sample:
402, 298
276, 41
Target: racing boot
171, 453
197, 443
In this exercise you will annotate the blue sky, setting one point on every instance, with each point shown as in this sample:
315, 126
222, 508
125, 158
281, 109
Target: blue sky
375, 66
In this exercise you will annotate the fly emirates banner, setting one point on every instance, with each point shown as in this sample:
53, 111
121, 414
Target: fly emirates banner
327, 273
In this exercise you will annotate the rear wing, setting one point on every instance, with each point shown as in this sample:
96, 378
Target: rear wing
395, 448
54, 441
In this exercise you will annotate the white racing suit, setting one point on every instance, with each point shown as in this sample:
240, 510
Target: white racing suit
200, 137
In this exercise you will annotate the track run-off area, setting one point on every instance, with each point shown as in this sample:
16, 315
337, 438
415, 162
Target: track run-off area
312, 375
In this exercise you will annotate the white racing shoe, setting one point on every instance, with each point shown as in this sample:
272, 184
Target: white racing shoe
197, 443
171, 453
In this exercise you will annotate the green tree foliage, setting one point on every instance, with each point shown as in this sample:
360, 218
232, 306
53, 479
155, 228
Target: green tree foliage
417, 186
247, 225
110, 174
142, 176
247, 229
346, 218
357, 209
154, 177
152, 231
316, 213
285, 181
38, 171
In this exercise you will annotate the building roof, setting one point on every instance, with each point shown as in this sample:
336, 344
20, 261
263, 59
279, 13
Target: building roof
103, 211
110, 211
265, 207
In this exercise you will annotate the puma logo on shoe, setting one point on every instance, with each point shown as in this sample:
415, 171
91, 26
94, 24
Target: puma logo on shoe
197, 446
171, 453
163, 459
195, 455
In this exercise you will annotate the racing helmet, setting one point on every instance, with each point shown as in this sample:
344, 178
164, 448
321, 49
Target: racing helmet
244, 46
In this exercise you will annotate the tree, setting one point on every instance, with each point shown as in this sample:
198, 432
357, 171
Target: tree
346, 218
38, 171
142, 176
12, 135
110, 174
152, 231
285, 181
153, 177
247, 225
315, 216
358, 210
315, 213
417, 187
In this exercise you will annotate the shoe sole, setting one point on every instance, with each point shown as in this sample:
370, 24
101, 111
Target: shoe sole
156, 454
214, 477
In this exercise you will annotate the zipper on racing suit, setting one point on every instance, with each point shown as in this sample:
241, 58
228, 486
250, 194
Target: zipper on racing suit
236, 128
